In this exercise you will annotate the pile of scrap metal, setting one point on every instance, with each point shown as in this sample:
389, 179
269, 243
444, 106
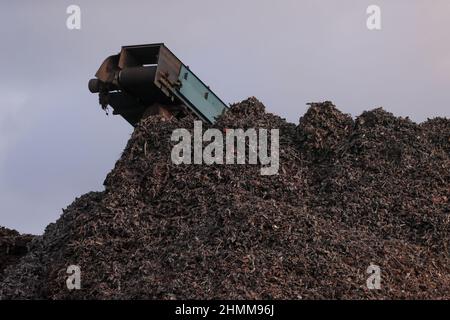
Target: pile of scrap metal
13, 246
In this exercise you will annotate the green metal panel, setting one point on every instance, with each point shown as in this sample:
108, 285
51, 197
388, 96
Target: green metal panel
199, 97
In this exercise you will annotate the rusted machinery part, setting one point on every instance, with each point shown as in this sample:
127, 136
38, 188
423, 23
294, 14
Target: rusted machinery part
94, 85
143, 75
137, 76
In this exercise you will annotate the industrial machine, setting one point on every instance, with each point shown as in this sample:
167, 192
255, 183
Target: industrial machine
149, 79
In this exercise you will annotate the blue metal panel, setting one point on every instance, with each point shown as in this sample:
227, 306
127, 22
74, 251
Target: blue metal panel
199, 97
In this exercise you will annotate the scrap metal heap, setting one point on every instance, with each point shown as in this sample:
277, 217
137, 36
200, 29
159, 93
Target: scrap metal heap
349, 193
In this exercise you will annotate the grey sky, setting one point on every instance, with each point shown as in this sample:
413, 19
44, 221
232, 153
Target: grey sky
56, 143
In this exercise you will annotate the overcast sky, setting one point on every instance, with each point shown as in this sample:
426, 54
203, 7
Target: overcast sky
57, 144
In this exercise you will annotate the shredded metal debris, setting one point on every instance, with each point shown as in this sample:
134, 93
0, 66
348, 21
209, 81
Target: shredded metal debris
349, 193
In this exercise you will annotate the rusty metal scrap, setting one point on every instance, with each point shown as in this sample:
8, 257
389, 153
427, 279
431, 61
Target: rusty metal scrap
349, 193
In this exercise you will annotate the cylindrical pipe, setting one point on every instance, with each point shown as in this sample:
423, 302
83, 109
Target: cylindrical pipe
137, 76
94, 85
